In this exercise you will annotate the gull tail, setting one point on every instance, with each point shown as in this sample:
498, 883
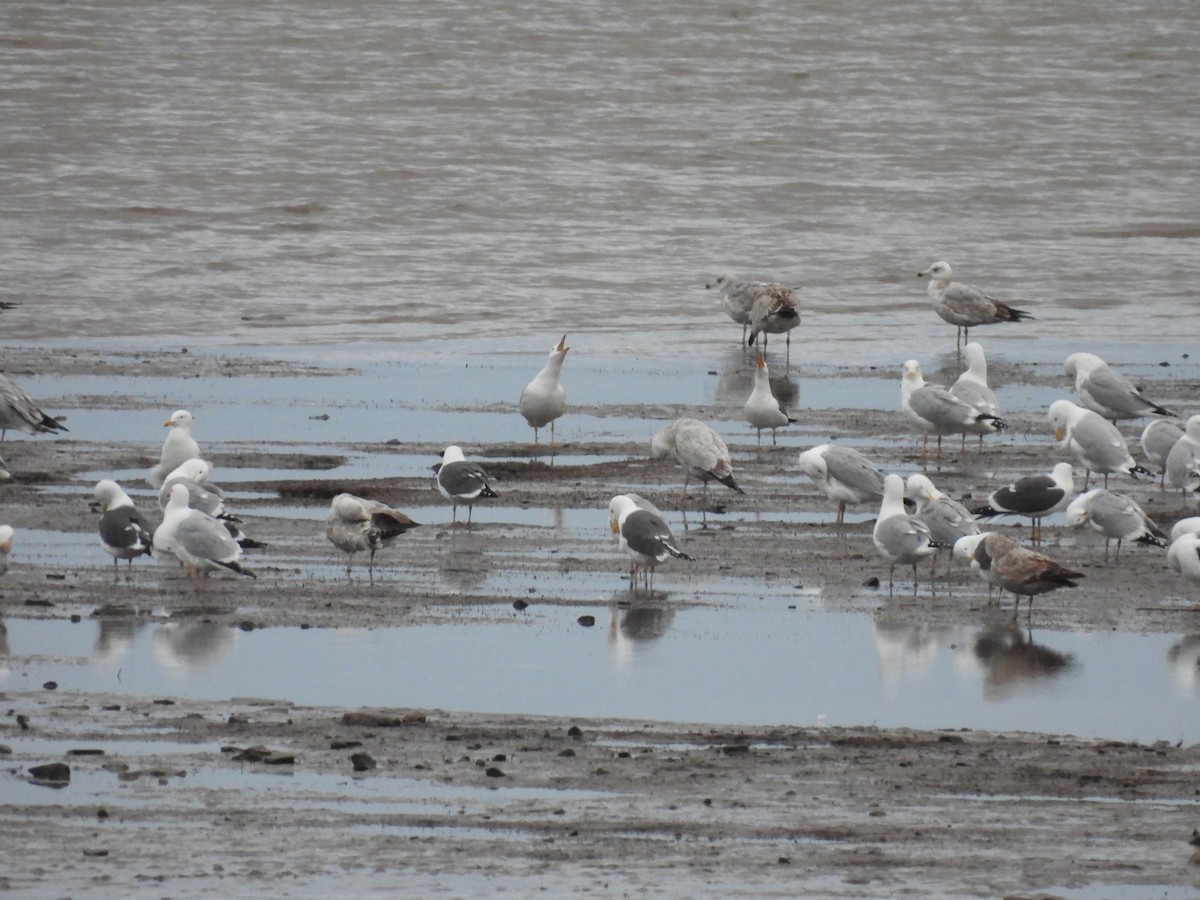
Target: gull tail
995, 421
1011, 313
677, 553
728, 481
237, 567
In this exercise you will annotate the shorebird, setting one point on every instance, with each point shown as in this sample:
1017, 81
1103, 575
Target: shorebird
701, 451
1116, 517
643, 534
775, 311
1158, 439
198, 540
972, 385
762, 410
1183, 556
844, 475
1183, 462
1004, 563
1104, 391
18, 412
356, 523
6, 539
946, 518
543, 400
934, 410
1093, 440
898, 536
963, 306
1032, 496
177, 449
124, 533
460, 481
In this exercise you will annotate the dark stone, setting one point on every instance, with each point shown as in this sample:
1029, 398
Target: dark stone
344, 745
164, 702
567, 752
95, 853
575, 731
362, 762
519, 605
52, 774
493, 772
587, 621
499, 757
85, 751
51, 685
375, 720
871, 582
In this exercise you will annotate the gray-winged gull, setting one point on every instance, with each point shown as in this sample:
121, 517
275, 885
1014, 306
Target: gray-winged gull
934, 410
460, 481
1183, 556
963, 306
1003, 562
1093, 440
1190, 525
196, 539
899, 537
356, 524
1102, 390
543, 400
193, 474
18, 412
946, 518
1115, 516
124, 532
643, 534
177, 449
700, 450
1158, 439
1183, 462
6, 539
1032, 496
762, 410
843, 475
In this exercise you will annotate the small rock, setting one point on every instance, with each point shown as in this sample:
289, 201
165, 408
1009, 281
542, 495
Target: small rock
23, 721
85, 751
567, 752
575, 731
51, 774
102, 813
235, 719
519, 605
362, 762
499, 757
872, 582
493, 772
375, 720
587, 621
164, 702
280, 758
344, 745
95, 853
5, 750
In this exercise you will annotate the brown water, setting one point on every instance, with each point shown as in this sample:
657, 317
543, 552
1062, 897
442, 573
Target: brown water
287, 172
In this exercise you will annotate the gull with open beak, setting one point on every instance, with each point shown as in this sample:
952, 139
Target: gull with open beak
544, 399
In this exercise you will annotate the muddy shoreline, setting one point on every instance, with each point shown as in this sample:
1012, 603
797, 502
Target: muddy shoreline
660, 808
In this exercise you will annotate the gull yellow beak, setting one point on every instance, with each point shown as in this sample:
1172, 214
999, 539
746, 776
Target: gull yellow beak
562, 345
612, 523
762, 363
168, 423
1058, 434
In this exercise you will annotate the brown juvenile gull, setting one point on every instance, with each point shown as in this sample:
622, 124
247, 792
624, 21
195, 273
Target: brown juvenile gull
1004, 563
543, 400
356, 523
844, 475
1116, 517
460, 481
1032, 496
1104, 391
1093, 440
177, 449
762, 410
774, 311
643, 534
963, 306
124, 533
700, 450
934, 410
18, 412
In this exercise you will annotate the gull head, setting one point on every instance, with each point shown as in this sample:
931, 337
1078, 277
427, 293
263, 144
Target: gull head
964, 547
722, 281
940, 272
181, 418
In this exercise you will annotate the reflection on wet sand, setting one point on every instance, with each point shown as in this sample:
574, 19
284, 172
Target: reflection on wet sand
1183, 659
187, 645
463, 565
116, 629
636, 619
4, 651
1013, 662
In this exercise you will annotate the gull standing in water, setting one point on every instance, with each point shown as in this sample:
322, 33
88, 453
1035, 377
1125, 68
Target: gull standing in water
1114, 516
1158, 439
1004, 563
899, 537
1093, 440
762, 410
775, 311
177, 449
1183, 462
460, 481
544, 399
1032, 496
963, 306
18, 412
198, 540
700, 450
1104, 391
124, 534
736, 298
356, 523
843, 474
644, 535
934, 410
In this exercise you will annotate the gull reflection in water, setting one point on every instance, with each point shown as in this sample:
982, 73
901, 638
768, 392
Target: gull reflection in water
463, 565
637, 621
1013, 663
1183, 658
117, 629
4, 651
187, 645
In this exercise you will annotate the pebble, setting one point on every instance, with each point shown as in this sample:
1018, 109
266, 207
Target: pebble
54, 774
362, 762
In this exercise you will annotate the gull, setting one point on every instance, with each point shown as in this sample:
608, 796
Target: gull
946, 518
1003, 562
762, 410
1183, 462
843, 474
899, 537
963, 306
1158, 439
462, 482
177, 449
1104, 391
6, 539
774, 311
934, 410
1093, 440
356, 523
543, 400
643, 534
700, 450
193, 474
19, 412
737, 297
972, 384
198, 540
1190, 525
1183, 556
1114, 516
1032, 496
124, 533
5, 475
